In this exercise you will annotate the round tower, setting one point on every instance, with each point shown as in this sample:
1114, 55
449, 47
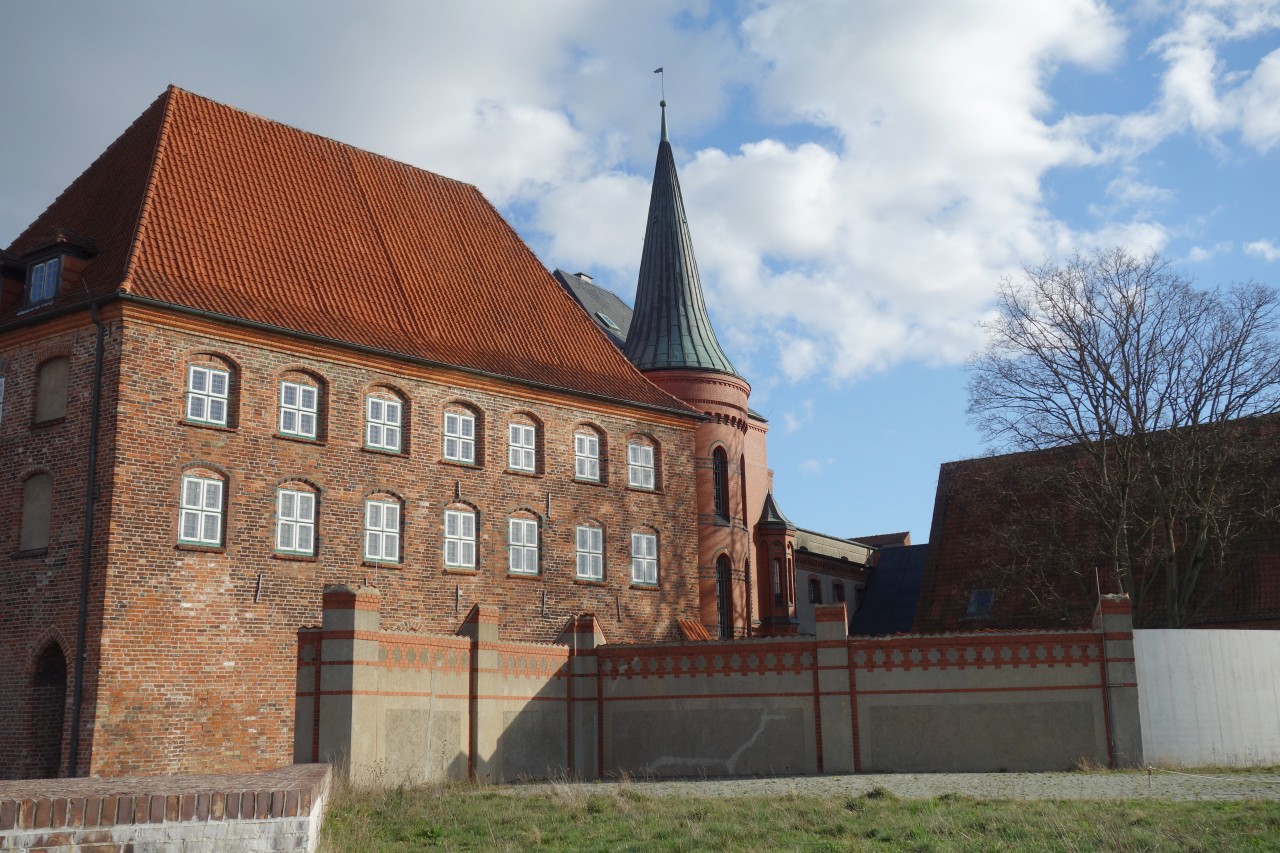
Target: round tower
671, 340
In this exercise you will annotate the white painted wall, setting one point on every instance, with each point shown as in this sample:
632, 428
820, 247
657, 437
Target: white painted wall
1209, 697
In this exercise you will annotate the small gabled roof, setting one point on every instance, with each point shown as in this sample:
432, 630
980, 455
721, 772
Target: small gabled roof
202, 206
670, 328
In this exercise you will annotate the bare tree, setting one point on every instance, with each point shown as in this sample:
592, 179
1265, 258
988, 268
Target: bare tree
1157, 385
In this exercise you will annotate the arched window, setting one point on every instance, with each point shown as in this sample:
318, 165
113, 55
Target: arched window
37, 507
382, 514
522, 443
644, 558
202, 508
720, 480
209, 398
588, 453
589, 538
385, 421
51, 389
463, 440
724, 596
460, 537
522, 544
49, 698
296, 520
776, 575
301, 406
815, 591
837, 592
642, 463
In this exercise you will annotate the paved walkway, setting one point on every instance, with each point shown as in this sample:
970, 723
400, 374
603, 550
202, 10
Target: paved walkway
1162, 785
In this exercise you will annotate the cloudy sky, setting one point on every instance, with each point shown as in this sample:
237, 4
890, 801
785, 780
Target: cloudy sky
859, 175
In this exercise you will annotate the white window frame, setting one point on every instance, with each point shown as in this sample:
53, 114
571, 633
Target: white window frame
522, 447
382, 423
586, 456
460, 437
644, 558
640, 467
296, 522
522, 546
304, 415
459, 539
382, 530
45, 278
201, 501
590, 552
203, 396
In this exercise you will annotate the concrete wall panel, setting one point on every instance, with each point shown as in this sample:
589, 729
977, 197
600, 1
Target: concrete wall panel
1209, 697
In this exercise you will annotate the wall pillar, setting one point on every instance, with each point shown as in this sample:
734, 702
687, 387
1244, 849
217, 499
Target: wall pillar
1114, 619
583, 635
831, 684
347, 730
484, 718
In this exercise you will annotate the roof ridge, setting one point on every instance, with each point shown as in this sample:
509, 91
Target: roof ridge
135, 247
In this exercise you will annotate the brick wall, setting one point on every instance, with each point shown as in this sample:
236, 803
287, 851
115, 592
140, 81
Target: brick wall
198, 646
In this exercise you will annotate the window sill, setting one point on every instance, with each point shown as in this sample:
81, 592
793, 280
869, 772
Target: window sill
201, 549
533, 475
524, 576
295, 558
203, 425
586, 482
590, 582
457, 463
652, 587
371, 564
459, 570
644, 491
29, 553
301, 439
51, 422
382, 451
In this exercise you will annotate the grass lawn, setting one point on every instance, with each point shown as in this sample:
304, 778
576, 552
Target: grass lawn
573, 817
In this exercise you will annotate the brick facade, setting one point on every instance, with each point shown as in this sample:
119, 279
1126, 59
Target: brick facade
193, 649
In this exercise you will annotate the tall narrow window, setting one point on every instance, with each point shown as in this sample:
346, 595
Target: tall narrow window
521, 448
640, 466
298, 409
201, 514
776, 574
51, 389
837, 592
586, 456
724, 596
522, 542
207, 389
644, 558
815, 591
590, 552
382, 531
460, 539
295, 522
382, 424
459, 437
37, 507
45, 278
720, 482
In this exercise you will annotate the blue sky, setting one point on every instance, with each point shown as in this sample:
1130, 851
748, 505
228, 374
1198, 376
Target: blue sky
859, 176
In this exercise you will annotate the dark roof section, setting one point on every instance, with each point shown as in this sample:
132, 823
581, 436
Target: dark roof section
771, 516
599, 303
205, 207
889, 605
671, 329
884, 540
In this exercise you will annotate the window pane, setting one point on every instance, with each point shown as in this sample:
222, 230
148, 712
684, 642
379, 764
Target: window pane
195, 408
373, 515
372, 543
513, 457
528, 460
390, 516
597, 540
514, 560
284, 536
198, 379
468, 525
288, 420
468, 424
580, 444
391, 438
191, 492
285, 505
593, 469
374, 408
584, 538
467, 451
218, 411
452, 523
451, 424
212, 527
309, 398
306, 533
190, 525
390, 546
373, 436
451, 448
468, 553
289, 394
306, 506
218, 383
307, 424
452, 552
391, 413
213, 494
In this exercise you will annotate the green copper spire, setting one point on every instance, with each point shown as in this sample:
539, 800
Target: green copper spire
670, 328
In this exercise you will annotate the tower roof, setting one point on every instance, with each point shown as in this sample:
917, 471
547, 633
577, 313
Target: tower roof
771, 516
202, 206
670, 328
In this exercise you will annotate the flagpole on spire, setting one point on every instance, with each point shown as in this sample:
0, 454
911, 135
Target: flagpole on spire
662, 78
662, 81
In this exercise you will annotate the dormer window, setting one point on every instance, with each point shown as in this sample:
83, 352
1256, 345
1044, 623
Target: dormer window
45, 278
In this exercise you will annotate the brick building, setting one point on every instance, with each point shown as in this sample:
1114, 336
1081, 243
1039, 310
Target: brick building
240, 362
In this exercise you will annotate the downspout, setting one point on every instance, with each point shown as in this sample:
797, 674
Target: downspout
90, 496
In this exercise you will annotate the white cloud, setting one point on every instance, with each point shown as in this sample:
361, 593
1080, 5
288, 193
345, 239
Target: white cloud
792, 421
1200, 254
1264, 249
815, 467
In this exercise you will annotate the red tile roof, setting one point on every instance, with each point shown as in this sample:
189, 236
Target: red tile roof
203, 206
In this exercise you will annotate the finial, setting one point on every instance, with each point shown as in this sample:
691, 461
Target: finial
663, 104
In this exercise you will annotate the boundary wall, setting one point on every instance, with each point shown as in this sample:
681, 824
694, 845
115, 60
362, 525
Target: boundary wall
397, 707
278, 810
1209, 697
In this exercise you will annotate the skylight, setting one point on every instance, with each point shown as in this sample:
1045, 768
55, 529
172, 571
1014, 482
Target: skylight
608, 321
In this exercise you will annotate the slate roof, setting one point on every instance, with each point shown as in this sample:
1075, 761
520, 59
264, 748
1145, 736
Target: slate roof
206, 207
771, 515
670, 328
893, 590
598, 302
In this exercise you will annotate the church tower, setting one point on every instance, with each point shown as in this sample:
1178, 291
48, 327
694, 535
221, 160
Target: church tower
671, 340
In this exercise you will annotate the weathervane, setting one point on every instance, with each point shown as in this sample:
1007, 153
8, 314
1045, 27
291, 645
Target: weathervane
662, 81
